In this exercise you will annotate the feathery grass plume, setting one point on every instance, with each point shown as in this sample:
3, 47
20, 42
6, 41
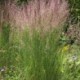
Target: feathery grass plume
39, 13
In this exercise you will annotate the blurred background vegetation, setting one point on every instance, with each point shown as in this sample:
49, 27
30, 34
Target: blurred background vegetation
74, 10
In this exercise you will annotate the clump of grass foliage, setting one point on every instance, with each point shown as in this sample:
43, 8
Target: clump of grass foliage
31, 55
37, 56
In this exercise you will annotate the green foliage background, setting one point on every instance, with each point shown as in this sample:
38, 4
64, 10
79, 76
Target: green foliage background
74, 10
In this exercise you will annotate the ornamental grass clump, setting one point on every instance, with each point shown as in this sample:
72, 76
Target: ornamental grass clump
32, 54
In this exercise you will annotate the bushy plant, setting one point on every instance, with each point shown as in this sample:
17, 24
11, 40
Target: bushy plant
71, 62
